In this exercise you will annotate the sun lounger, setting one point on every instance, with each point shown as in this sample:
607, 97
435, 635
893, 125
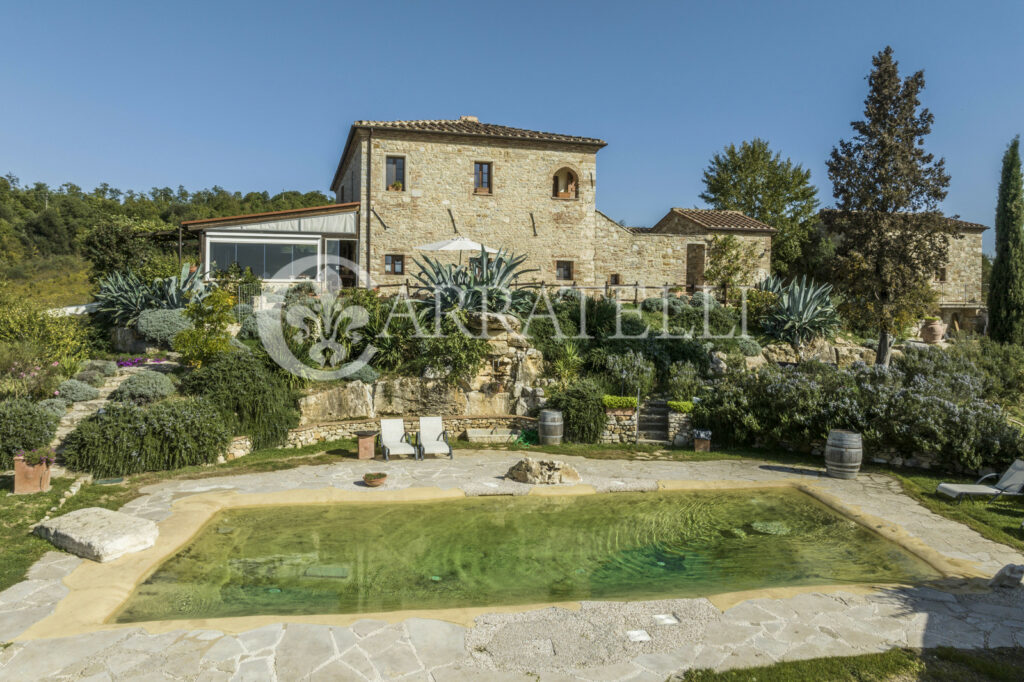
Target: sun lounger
433, 439
1011, 483
394, 440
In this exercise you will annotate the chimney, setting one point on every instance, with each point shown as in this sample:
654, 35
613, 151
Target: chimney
471, 119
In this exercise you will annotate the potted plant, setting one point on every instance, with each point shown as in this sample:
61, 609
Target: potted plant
395, 186
375, 479
702, 440
933, 329
32, 471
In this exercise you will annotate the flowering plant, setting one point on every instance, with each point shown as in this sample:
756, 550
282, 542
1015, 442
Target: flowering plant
136, 361
36, 457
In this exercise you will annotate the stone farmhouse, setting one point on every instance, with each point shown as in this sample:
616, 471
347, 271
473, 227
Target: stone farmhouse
404, 184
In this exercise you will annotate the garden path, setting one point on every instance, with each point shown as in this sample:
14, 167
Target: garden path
599, 641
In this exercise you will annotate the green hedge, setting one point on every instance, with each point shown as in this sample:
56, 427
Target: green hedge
619, 402
125, 439
681, 406
24, 425
252, 400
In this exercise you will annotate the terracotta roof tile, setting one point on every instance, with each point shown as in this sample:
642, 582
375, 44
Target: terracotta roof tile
722, 220
469, 125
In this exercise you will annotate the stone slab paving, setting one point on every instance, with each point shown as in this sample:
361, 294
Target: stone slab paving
592, 643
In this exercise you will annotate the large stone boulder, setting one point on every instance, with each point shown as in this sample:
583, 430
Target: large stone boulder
417, 396
544, 471
99, 534
351, 400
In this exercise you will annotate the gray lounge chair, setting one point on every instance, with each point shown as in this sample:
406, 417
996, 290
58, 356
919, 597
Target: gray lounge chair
433, 439
1011, 484
394, 440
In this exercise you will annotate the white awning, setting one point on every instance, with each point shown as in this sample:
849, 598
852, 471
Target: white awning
456, 244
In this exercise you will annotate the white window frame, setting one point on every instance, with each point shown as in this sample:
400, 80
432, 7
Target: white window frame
234, 238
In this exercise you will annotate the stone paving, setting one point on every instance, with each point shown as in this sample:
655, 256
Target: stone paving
644, 640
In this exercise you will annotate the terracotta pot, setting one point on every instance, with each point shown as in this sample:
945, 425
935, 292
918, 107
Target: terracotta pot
932, 332
375, 482
701, 445
30, 479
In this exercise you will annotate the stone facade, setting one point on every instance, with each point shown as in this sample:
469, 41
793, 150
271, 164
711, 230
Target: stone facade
961, 299
680, 430
437, 201
620, 427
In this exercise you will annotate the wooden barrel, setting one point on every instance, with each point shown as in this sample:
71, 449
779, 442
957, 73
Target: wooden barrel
843, 454
549, 427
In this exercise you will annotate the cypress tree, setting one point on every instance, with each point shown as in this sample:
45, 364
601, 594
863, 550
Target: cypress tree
1006, 289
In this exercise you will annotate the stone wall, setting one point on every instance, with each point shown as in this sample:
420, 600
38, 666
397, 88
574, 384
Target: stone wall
620, 427
963, 270
456, 426
680, 431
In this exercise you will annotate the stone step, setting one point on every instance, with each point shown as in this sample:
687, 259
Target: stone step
654, 435
653, 441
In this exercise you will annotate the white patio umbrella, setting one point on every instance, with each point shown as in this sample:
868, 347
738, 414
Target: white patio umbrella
456, 244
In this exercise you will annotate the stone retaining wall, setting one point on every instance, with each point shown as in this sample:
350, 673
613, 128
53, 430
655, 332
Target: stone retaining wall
319, 433
619, 427
680, 431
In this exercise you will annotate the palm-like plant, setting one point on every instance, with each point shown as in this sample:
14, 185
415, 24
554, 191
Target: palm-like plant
772, 284
488, 278
804, 311
177, 291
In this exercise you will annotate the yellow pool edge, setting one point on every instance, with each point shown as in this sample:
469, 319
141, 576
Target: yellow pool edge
98, 590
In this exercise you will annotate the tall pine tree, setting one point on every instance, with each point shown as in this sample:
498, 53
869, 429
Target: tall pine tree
891, 236
1006, 288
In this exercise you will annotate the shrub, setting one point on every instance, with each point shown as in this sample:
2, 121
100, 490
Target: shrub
702, 298
91, 377
635, 372
107, 368
251, 399
23, 372
684, 381
145, 387
77, 391
681, 406
63, 339
619, 402
365, 374
161, 325
56, 407
582, 408
453, 356
208, 338
24, 425
241, 311
674, 305
126, 439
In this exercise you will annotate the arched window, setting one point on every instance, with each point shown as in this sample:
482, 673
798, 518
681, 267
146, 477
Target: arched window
565, 185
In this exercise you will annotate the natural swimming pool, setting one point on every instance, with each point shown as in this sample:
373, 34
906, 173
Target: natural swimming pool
480, 551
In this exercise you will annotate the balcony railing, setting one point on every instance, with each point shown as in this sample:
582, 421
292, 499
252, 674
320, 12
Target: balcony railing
953, 293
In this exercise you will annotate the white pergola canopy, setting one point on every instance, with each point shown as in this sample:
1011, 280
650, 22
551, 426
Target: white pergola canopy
456, 244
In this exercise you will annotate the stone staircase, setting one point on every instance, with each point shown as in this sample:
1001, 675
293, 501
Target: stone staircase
654, 423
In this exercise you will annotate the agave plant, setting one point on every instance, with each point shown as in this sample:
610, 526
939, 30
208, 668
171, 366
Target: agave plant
772, 284
178, 290
804, 311
489, 277
124, 295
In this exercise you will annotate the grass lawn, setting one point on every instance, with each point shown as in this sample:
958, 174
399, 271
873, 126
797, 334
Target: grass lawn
895, 665
999, 521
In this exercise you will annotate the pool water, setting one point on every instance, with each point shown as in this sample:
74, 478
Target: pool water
480, 551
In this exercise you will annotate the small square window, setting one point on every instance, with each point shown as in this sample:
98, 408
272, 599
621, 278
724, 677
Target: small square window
394, 265
614, 280
563, 269
940, 275
395, 173
482, 177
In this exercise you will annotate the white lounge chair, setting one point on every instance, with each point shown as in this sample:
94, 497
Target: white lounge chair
394, 440
1010, 483
433, 439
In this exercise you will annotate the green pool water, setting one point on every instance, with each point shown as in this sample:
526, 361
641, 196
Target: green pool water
354, 558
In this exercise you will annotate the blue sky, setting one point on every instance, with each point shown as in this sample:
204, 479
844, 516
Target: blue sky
257, 95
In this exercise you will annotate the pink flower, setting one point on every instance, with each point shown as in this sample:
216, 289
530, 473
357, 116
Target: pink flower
56, 392
54, 363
